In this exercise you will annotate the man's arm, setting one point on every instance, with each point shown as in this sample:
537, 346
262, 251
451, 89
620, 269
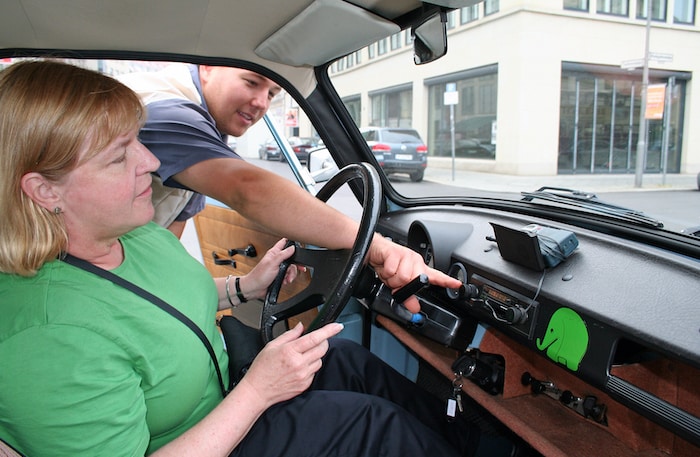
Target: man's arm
290, 211
270, 200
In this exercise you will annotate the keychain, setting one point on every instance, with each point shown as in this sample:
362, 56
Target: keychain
454, 403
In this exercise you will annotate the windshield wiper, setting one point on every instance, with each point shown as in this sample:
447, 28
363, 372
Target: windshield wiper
591, 202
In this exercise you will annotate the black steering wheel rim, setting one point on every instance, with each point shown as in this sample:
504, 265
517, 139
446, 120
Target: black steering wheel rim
340, 267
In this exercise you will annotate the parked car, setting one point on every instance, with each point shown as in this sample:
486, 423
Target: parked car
398, 150
598, 354
301, 147
270, 150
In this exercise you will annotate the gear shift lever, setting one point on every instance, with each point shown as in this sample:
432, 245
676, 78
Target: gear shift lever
401, 295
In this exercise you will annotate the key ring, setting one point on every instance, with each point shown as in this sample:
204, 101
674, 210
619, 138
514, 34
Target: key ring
457, 382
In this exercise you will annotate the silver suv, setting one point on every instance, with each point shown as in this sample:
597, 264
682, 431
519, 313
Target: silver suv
398, 150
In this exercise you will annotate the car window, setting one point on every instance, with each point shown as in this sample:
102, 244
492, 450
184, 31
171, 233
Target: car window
473, 163
489, 132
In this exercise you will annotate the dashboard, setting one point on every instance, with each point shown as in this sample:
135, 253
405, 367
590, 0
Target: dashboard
610, 304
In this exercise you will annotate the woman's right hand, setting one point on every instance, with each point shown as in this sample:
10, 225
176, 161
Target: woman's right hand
286, 366
282, 370
256, 282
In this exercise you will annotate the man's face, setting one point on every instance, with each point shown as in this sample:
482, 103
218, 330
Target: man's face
236, 98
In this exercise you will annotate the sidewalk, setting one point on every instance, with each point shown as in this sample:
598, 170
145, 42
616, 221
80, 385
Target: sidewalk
440, 170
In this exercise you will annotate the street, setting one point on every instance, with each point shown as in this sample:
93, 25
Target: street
678, 209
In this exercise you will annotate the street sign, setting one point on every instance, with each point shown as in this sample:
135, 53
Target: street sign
451, 98
631, 64
657, 57
661, 57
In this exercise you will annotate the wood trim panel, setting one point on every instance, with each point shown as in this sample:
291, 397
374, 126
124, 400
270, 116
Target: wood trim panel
549, 427
220, 229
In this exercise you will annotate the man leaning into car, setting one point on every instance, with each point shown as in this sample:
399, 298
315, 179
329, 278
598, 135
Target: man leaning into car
191, 111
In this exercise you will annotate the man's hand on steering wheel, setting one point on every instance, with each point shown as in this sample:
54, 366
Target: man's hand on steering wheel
337, 272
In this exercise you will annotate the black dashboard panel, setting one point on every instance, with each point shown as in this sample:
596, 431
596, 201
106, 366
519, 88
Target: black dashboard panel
612, 302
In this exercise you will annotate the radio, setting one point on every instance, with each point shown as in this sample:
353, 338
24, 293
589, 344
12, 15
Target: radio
504, 305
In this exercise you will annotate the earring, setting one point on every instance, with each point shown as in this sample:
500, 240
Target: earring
57, 210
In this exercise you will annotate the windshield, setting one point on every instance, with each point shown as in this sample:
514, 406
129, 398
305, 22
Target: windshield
505, 112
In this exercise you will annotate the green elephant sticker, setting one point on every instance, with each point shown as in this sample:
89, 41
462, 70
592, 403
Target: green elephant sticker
566, 338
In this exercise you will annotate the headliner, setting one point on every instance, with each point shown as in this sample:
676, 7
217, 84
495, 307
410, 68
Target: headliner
192, 29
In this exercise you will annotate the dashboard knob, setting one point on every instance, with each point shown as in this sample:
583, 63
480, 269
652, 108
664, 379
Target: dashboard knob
457, 271
515, 315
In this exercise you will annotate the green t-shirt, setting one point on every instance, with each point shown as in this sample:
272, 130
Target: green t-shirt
90, 368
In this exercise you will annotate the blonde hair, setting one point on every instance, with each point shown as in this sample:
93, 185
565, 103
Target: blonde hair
49, 112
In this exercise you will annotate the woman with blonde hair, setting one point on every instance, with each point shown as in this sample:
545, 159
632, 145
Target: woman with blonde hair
93, 367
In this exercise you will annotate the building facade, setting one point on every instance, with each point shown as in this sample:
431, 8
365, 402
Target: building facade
543, 87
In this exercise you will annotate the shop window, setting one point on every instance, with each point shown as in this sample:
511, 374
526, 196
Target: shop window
658, 9
474, 115
381, 46
391, 108
684, 12
451, 20
490, 7
469, 14
354, 107
395, 41
577, 5
599, 124
614, 7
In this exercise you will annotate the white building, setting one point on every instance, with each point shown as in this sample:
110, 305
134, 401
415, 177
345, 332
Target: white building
541, 88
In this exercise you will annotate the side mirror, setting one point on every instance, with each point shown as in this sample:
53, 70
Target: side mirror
321, 165
430, 39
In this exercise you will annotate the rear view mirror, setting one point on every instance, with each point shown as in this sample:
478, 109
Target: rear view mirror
430, 39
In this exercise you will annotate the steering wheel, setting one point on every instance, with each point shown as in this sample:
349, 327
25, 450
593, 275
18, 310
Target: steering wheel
334, 272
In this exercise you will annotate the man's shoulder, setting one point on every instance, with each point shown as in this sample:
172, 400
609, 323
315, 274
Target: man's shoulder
172, 82
178, 110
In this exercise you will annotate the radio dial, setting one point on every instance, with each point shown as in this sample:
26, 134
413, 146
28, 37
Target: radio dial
458, 271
